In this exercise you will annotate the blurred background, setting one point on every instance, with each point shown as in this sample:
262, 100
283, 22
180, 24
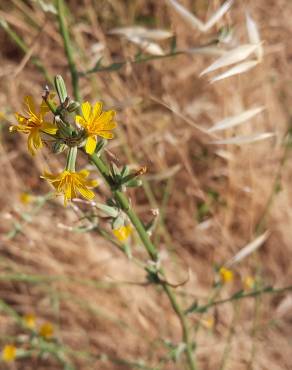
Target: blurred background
214, 199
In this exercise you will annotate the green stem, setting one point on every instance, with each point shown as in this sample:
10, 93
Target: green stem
68, 49
71, 159
238, 296
152, 251
183, 321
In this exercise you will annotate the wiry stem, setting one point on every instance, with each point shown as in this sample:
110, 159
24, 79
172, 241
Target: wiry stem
153, 253
68, 49
119, 196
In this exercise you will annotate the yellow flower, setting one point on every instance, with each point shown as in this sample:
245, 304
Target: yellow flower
122, 233
248, 282
47, 330
25, 198
71, 183
208, 322
30, 320
9, 353
226, 275
34, 124
96, 123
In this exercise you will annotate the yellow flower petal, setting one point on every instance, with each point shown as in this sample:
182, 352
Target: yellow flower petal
80, 120
49, 128
30, 320
46, 330
97, 109
106, 134
122, 233
86, 193
90, 145
9, 353
29, 102
86, 110
226, 275
84, 173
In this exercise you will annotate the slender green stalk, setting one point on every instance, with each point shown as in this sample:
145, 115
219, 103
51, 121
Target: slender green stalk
152, 251
237, 296
119, 196
68, 49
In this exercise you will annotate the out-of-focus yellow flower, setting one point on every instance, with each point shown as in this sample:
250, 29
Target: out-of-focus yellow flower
30, 320
46, 330
96, 123
9, 353
72, 183
248, 282
34, 124
226, 275
208, 322
26, 198
122, 233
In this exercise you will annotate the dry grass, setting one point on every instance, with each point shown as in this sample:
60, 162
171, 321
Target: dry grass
90, 299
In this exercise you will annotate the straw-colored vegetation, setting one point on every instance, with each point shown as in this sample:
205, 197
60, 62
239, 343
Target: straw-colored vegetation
188, 265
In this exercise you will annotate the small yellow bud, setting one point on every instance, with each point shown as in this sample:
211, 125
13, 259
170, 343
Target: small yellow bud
30, 320
47, 330
9, 353
208, 323
25, 198
248, 282
122, 233
226, 275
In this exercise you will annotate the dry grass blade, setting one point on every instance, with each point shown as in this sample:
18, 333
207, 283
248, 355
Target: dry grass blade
147, 46
245, 139
231, 57
205, 50
196, 22
248, 249
236, 120
186, 15
238, 69
218, 14
151, 34
254, 36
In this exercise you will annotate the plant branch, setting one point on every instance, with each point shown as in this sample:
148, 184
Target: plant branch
237, 296
153, 253
68, 49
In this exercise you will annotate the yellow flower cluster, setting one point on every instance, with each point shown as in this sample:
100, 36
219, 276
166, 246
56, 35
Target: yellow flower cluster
46, 331
93, 122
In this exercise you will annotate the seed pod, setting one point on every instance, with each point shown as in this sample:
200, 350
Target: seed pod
60, 88
73, 106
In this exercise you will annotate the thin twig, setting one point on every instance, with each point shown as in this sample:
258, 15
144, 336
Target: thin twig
68, 49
